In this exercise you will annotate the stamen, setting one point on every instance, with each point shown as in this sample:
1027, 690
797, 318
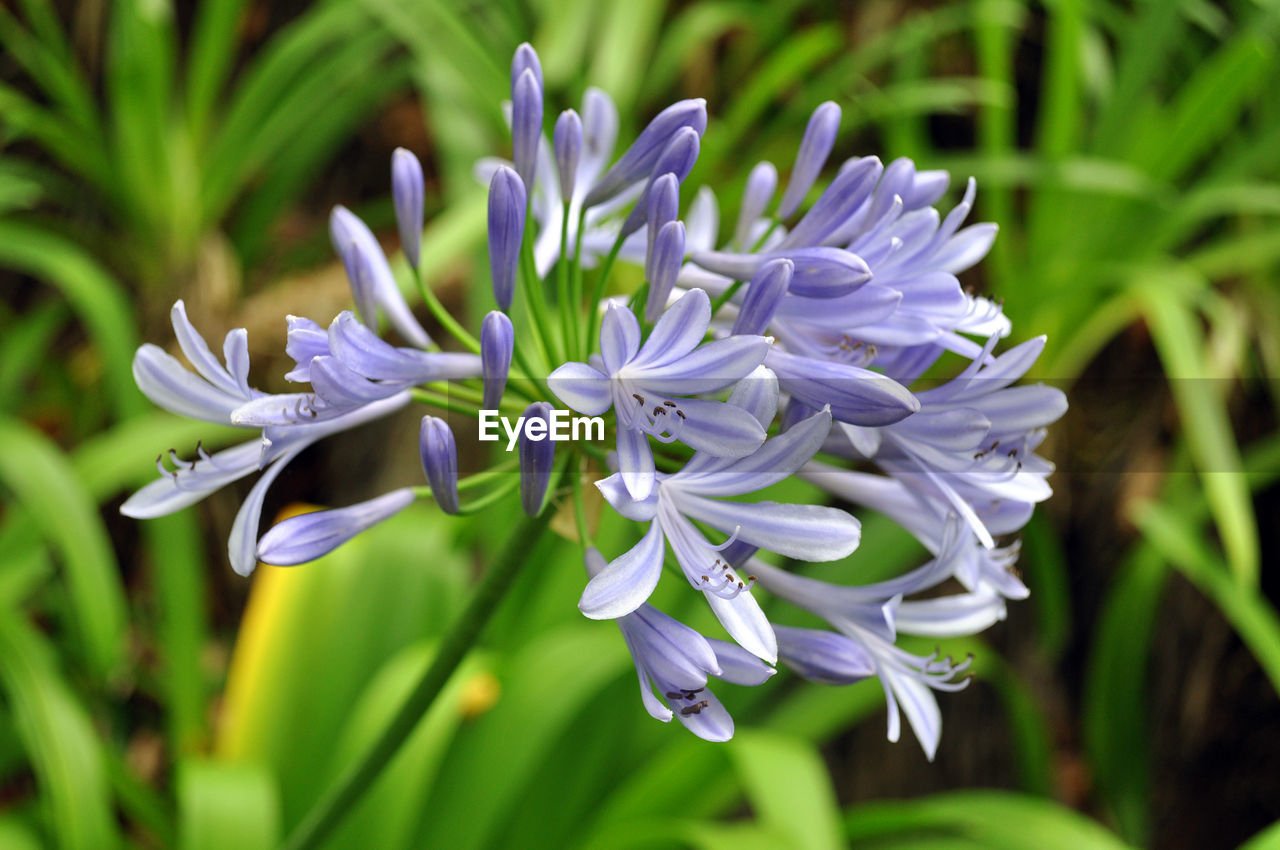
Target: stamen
696, 708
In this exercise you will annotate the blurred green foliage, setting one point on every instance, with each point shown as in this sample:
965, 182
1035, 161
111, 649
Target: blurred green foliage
1130, 152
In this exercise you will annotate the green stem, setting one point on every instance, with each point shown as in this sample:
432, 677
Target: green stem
598, 293
575, 284
443, 316
568, 309
342, 797
724, 297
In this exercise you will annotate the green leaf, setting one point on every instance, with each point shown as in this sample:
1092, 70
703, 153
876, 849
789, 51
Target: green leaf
227, 807
44, 482
576, 660
1253, 618
1204, 418
788, 787
60, 739
390, 811
97, 299
994, 819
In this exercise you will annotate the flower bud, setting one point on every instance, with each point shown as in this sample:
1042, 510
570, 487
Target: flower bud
440, 462
761, 183
663, 206
526, 124
407, 192
764, 294
507, 200
668, 257
568, 150
823, 656
346, 229
815, 147
677, 158
497, 341
525, 59
643, 154
536, 458
304, 538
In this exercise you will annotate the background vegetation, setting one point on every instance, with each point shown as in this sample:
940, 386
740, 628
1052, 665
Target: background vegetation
148, 151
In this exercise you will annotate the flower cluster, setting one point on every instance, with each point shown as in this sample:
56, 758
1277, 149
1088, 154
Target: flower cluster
798, 348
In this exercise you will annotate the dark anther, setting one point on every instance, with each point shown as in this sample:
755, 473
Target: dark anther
704, 578
696, 708
638, 397
751, 578
673, 695
669, 403
680, 413
658, 410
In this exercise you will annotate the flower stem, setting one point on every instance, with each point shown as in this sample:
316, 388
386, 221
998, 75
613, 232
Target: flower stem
443, 316
329, 811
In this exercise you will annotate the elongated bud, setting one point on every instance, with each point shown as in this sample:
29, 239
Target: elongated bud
537, 453
815, 147
507, 201
526, 124
304, 538
764, 294
668, 257
663, 206
346, 229
837, 205
823, 656
497, 341
677, 158
525, 59
761, 184
407, 192
599, 131
440, 462
568, 150
640, 158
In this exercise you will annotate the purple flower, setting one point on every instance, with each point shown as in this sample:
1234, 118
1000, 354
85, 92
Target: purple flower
526, 124
809, 532
668, 256
761, 183
214, 393
973, 440
568, 149
640, 158
349, 234
676, 661
497, 342
815, 146
507, 201
304, 538
870, 617
439, 454
407, 191
763, 295
537, 454
642, 383
359, 368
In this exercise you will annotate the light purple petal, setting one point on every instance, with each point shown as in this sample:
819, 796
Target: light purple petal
635, 462
304, 538
242, 544
808, 532
626, 583
619, 337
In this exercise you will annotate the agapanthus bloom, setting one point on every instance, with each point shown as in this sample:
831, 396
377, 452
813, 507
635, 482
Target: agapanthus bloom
796, 349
